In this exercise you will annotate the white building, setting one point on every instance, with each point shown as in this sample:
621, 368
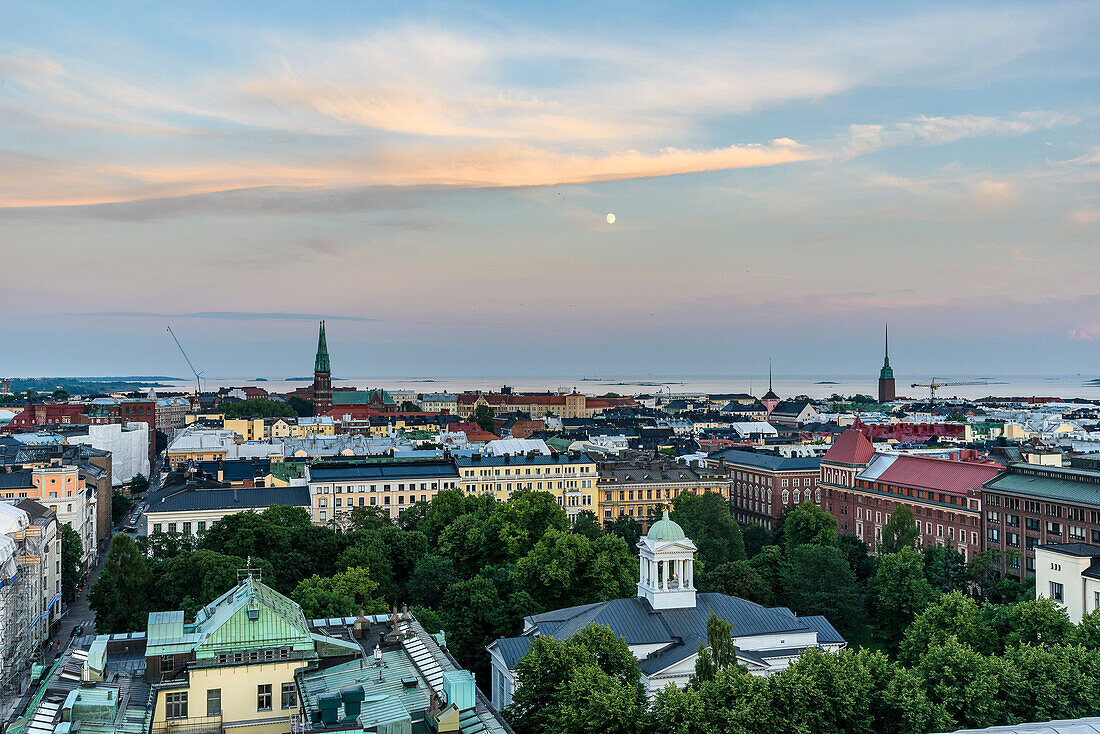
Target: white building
1069, 573
129, 447
665, 623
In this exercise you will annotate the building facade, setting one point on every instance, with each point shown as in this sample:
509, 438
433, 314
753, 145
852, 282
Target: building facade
1031, 505
642, 488
1069, 574
665, 624
570, 477
335, 488
762, 484
887, 392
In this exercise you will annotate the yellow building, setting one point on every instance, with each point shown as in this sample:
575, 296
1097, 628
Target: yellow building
571, 478
249, 429
233, 668
194, 417
282, 428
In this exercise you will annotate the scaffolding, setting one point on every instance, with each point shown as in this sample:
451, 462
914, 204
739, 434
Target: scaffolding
22, 624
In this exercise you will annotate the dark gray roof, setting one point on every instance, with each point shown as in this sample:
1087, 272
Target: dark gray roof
826, 632
34, 509
790, 407
16, 479
224, 499
512, 649
681, 630
770, 462
1081, 550
522, 460
395, 470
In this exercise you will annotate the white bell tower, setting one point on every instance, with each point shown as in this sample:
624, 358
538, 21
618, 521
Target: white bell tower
666, 570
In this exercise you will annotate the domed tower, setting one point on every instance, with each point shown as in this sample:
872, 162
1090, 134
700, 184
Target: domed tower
666, 570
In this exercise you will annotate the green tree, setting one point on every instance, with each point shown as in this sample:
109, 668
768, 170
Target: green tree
586, 683
898, 593
340, 595
756, 536
719, 653
627, 528
409, 406
986, 568
820, 581
72, 569
586, 524
120, 507
956, 418
120, 595
564, 569
855, 550
964, 682
302, 408
808, 524
430, 579
900, 531
139, 484
483, 417
772, 565
260, 408
740, 579
59, 394
706, 519
1087, 633
369, 518
945, 568
952, 615
1037, 622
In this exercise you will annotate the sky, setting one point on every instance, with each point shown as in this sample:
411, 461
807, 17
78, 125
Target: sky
433, 179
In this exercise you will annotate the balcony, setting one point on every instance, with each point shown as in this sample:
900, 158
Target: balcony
192, 725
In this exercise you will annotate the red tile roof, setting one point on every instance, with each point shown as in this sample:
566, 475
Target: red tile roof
852, 447
473, 432
938, 475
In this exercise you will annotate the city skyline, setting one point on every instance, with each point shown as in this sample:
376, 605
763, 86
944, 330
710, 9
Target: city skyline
435, 182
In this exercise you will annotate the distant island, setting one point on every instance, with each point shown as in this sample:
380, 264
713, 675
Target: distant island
826, 382
1094, 382
87, 385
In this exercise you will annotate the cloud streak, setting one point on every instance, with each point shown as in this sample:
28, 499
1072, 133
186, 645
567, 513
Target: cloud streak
229, 316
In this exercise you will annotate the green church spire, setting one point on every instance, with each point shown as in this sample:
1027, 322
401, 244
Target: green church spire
887, 372
321, 363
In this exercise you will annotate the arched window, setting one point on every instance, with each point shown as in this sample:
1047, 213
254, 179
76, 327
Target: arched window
817, 496
786, 496
798, 496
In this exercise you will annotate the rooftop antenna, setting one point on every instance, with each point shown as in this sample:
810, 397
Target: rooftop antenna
249, 571
198, 375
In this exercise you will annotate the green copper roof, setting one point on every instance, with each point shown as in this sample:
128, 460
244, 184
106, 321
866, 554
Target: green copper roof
887, 372
665, 530
321, 363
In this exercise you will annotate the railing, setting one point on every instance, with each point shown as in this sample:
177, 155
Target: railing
191, 725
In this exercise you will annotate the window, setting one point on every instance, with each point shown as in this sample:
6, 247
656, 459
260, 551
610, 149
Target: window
202, 526
175, 705
167, 664
1032, 524
1056, 590
289, 697
1054, 528
187, 528
263, 697
213, 702
171, 527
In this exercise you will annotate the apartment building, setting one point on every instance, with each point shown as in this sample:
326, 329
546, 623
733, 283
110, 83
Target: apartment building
570, 477
1031, 505
335, 488
640, 488
763, 484
60, 488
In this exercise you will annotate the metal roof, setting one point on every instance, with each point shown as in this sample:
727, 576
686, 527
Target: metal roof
851, 447
224, 499
374, 471
1047, 482
770, 462
1088, 725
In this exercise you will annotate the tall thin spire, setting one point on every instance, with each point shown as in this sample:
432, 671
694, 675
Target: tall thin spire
321, 364
887, 372
769, 374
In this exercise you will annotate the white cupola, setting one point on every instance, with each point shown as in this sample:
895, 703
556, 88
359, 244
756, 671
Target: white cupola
666, 571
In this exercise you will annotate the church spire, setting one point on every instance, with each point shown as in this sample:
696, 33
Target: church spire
321, 364
887, 372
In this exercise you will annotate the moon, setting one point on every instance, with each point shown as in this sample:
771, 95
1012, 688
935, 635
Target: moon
610, 218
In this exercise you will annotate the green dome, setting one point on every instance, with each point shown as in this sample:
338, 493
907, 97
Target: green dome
665, 530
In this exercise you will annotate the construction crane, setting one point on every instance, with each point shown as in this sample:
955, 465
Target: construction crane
933, 386
198, 375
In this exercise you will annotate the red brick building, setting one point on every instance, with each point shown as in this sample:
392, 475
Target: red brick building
45, 415
762, 484
862, 489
